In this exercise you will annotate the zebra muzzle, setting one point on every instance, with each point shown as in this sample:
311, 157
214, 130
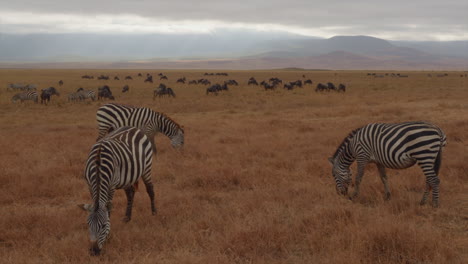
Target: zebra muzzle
94, 250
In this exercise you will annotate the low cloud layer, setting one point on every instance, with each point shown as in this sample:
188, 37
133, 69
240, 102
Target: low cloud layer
404, 20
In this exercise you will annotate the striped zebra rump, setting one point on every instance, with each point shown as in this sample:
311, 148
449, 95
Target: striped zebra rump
25, 96
117, 161
395, 146
112, 116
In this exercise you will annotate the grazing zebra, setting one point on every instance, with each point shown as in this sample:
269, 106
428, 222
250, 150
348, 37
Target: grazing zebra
117, 161
395, 146
88, 94
31, 95
111, 116
74, 97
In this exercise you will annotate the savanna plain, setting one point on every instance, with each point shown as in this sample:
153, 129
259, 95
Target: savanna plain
252, 183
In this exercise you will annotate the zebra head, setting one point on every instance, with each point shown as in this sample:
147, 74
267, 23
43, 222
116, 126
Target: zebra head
342, 176
99, 227
178, 139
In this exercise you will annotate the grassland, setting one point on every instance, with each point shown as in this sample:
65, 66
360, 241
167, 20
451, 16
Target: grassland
252, 184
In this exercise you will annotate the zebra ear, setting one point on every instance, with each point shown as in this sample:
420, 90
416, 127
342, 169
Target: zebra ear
331, 160
86, 207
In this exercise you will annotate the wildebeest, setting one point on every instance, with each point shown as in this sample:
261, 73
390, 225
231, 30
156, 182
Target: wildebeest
309, 81
252, 81
181, 80
231, 82
164, 77
47, 93
162, 90
204, 81
139, 75
87, 77
129, 77
103, 77
125, 89
149, 78
341, 88
192, 82
321, 87
212, 89
268, 86
105, 92
60, 82
275, 81
331, 86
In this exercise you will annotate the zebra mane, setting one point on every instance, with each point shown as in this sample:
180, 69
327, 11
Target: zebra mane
345, 142
98, 178
172, 120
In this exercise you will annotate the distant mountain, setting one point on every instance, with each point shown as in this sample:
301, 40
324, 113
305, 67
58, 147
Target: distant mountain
229, 50
440, 48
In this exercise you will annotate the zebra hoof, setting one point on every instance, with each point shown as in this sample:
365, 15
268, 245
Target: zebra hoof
435, 205
423, 202
387, 197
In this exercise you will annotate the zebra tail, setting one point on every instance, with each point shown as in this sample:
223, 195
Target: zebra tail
438, 162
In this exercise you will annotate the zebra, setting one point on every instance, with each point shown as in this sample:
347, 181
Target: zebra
88, 94
31, 95
111, 116
395, 146
74, 97
117, 161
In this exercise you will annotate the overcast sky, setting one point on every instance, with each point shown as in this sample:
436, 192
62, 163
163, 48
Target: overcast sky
394, 20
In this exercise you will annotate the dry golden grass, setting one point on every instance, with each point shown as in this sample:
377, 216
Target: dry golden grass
252, 185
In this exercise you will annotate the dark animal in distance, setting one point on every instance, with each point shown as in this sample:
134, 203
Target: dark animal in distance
60, 82
149, 79
105, 92
47, 93
125, 89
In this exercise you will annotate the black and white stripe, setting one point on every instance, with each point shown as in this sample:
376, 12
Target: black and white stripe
117, 161
88, 94
395, 146
112, 116
25, 96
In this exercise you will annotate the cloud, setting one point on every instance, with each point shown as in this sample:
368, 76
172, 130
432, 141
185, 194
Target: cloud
423, 20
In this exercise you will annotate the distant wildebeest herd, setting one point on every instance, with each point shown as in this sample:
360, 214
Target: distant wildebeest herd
28, 92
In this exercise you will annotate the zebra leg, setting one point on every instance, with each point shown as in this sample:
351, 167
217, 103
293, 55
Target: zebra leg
435, 191
150, 191
383, 177
130, 192
359, 175
426, 193
432, 183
